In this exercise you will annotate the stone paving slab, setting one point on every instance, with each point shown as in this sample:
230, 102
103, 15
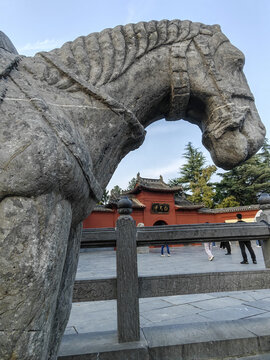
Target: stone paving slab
101, 315
154, 304
186, 324
195, 333
231, 313
255, 357
102, 346
185, 299
257, 326
260, 304
184, 260
189, 319
253, 294
219, 303
242, 295
215, 340
169, 312
264, 315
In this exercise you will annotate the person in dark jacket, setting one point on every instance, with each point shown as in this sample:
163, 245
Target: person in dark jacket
226, 245
246, 244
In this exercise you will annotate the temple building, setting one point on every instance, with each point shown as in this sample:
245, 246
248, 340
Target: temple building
156, 203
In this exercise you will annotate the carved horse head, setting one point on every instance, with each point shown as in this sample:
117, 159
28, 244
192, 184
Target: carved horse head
220, 101
184, 70
177, 70
99, 92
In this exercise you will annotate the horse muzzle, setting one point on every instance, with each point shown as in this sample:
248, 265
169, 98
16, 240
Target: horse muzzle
233, 134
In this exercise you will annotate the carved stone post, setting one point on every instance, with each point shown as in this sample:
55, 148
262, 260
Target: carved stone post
127, 275
264, 201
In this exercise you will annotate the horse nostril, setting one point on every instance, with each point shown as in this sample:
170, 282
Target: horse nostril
241, 124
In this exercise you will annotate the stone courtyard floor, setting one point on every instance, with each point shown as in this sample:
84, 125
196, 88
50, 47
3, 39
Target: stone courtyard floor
193, 311
101, 315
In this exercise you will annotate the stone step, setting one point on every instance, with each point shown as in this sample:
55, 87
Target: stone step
265, 356
219, 340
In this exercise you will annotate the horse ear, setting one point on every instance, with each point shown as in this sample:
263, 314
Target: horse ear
216, 27
6, 44
204, 31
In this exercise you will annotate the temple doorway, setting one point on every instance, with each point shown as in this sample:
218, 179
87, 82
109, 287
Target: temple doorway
160, 222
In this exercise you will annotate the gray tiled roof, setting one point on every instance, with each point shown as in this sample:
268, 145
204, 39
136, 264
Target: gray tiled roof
229, 209
152, 185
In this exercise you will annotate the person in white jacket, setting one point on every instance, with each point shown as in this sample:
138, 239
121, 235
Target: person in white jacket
256, 219
208, 249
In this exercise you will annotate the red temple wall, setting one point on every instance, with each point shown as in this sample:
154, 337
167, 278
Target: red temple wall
150, 218
99, 219
175, 216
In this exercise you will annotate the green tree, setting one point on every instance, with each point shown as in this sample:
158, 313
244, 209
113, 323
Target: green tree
190, 171
115, 192
245, 181
202, 190
229, 201
105, 198
132, 183
265, 153
195, 177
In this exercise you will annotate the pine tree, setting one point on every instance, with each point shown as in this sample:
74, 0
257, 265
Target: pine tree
195, 177
229, 201
190, 171
265, 153
132, 183
115, 192
105, 198
202, 191
245, 181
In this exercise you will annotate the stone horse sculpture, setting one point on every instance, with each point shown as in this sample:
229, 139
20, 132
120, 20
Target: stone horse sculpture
68, 117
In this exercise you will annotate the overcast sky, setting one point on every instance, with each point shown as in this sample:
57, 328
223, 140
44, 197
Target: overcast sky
38, 25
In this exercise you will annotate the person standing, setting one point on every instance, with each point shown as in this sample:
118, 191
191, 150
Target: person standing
226, 244
208, 250
246, 244
258, 242
168, 250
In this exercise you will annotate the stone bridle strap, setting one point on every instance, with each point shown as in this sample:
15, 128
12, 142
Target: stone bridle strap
180, 84
230, 116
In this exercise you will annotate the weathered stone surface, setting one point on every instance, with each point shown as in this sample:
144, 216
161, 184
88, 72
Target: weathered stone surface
264, 216
6, 44
169, 285
67, 119
33, 241
127, 278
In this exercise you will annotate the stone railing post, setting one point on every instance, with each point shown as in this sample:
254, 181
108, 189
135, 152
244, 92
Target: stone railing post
127, 275
264, 201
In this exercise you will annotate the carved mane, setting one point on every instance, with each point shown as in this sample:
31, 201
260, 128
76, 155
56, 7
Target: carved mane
104, 56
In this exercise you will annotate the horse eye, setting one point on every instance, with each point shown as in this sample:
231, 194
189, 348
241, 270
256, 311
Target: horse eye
240, 63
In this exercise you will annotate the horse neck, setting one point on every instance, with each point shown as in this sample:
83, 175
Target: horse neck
143, 94
145, 86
